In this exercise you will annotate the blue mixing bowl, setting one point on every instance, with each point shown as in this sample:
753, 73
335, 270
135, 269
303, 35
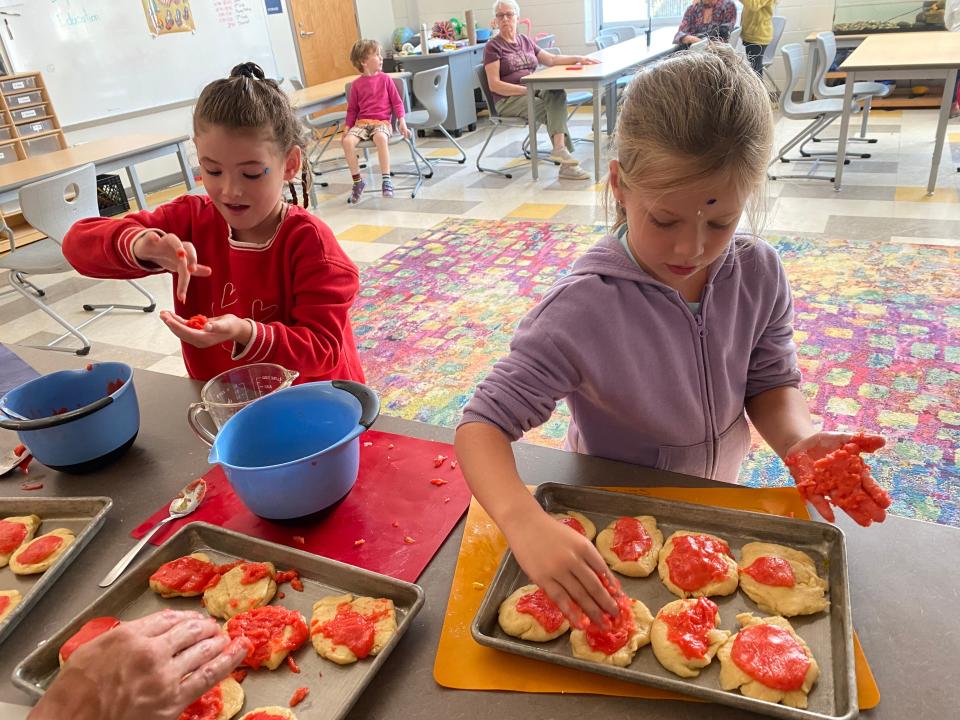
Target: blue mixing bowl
296, 451
75, 420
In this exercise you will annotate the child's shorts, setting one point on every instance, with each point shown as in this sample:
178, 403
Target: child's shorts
365, 129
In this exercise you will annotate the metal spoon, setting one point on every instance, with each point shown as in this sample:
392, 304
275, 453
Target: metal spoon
182, 505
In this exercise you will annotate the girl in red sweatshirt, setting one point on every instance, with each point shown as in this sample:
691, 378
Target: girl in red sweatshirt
269, 278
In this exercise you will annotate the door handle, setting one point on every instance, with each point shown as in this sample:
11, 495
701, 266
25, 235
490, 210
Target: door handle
306, 33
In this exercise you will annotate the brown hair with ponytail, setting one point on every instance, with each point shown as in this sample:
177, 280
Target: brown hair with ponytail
248, 100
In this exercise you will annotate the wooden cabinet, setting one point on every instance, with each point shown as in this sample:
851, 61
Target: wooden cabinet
28, 122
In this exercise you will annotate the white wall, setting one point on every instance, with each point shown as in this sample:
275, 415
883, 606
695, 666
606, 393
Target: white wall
179, 120
376, 19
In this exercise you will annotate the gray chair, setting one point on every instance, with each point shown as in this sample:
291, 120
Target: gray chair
734, 40
820, 113
430, 90
400, 80
498, 121
770, 52
52, 206
863, 91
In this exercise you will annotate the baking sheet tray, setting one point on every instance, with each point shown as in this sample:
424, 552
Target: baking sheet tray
333, 688
83, 515
829, 634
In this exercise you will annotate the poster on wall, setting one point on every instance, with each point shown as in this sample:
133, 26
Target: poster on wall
274, 7
168, 16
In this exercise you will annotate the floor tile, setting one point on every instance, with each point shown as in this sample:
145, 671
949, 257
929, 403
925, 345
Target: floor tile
538, 211
363, 233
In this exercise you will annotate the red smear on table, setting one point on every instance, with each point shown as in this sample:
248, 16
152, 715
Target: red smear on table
298, 696
392, 503
31, 486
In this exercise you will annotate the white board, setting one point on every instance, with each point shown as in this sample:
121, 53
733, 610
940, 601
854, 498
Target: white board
99, 59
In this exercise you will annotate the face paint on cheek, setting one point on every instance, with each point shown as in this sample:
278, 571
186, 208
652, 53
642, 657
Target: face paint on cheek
266, 171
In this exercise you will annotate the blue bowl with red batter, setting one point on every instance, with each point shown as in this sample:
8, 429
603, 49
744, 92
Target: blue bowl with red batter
296, 451
75, 420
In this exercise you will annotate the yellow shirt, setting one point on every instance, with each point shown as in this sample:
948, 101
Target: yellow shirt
757, 21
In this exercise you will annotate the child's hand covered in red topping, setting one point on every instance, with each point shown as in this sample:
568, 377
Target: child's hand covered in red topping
215, 330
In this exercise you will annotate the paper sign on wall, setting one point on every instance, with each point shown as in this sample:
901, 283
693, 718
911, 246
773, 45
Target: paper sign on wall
168, 16
274, 7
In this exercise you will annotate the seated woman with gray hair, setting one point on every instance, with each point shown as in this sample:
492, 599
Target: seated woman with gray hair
509, 56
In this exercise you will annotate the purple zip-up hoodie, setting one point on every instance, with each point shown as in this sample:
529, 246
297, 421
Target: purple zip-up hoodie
648, 381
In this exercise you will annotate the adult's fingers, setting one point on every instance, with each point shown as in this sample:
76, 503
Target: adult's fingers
201, 653
184, 634
158, 623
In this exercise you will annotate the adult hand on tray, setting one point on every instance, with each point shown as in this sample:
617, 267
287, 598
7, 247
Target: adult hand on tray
827, 469
146, 669
565, 565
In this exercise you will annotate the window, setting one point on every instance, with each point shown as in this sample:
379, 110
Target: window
663, 12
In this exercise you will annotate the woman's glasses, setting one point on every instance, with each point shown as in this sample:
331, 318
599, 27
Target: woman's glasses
505, 15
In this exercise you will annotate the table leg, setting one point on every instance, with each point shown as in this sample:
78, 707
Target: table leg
948, 84
137, 188
812, 62
611, 106
532, 123
596, 128
185, 166
844, 128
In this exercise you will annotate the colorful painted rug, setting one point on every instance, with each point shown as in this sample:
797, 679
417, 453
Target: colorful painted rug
878, 330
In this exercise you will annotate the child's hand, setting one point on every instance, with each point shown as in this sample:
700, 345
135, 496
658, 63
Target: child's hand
404, 130
167, 251
845, 479
584, 60
226, 328
565, 565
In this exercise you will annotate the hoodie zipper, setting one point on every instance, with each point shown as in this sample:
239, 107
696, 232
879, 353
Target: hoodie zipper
711, 464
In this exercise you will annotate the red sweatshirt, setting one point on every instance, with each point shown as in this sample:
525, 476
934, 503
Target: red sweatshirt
298, 288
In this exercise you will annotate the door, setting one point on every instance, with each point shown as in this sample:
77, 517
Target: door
324, 30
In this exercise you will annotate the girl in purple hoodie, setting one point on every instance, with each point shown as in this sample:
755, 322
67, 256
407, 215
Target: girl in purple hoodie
665, 335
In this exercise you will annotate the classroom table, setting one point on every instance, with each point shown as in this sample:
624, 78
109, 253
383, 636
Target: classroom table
613, 62
317, 98
108, 155
903, 56
903, 587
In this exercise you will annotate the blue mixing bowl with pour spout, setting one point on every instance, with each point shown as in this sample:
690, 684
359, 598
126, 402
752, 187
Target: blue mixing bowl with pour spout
75, 420
296, 451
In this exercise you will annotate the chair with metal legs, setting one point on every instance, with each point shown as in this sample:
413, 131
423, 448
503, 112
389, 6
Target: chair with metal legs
430, 90
498, 121
51, 206
420, 173
322, 131
826, 48
820, 113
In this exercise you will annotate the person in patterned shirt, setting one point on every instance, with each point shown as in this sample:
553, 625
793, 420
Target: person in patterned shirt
713, 19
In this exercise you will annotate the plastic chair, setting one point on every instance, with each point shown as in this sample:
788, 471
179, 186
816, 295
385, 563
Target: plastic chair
607, 37
770, 52
396, 138
820, 113
863, 91
699, 46
497, 121
46, 207
430, 90
734, 40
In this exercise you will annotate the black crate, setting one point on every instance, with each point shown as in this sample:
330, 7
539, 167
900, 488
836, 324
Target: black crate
111, 198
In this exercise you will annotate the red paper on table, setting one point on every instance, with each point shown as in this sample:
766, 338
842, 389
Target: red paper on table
392, 503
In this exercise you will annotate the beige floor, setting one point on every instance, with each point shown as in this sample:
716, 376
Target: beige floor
883, 200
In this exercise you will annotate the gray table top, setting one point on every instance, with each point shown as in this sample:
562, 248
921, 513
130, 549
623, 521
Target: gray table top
903, 577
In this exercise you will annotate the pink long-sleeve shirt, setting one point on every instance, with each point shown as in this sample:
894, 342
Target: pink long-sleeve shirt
373, 97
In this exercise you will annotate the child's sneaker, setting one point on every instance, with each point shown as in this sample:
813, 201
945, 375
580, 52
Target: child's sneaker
356, 192
387, 189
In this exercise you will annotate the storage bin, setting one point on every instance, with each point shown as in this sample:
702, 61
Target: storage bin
35, 128
111, 197
18, 84
41, 145
8, 154
30, 113
6, 133
28, 98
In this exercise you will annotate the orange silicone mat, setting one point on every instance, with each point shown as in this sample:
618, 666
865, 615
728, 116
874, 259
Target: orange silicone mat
463, 664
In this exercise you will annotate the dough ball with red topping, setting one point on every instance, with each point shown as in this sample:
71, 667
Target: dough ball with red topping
345, 628
9, 599
619, 645
41, 552
781, 580
272, 712
631, 545
245, 587
579, 522
530, 615
186, 576
693, 564
14, 532
685, 635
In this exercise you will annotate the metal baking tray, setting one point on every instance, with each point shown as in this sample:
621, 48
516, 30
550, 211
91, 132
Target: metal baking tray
82, 515
334, 688
829, 634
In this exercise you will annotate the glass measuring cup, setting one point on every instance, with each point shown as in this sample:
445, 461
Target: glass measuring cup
234, 389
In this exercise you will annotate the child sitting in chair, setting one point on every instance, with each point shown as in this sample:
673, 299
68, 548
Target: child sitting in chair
373, 100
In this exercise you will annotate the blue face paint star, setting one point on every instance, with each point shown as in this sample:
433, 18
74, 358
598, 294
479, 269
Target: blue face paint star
266, 171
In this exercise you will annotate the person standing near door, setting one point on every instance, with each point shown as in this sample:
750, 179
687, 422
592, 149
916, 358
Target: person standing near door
757, 32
